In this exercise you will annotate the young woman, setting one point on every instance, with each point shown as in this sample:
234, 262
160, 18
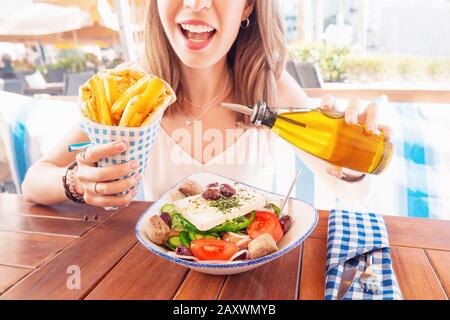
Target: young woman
210, 51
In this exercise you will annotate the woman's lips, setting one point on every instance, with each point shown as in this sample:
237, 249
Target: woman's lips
196, 40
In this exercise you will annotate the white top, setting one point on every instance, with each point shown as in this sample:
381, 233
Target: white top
259, 157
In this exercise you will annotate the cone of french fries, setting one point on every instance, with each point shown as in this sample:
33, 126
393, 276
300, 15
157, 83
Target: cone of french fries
124, 105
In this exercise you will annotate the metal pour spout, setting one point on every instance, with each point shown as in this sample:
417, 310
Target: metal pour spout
238, 108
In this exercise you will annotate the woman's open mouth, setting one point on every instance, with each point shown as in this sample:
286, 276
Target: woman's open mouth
197, 34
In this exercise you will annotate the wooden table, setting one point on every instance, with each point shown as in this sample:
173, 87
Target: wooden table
43, 248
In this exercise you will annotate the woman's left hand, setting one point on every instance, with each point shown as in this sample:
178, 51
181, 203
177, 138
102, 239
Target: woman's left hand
353, 114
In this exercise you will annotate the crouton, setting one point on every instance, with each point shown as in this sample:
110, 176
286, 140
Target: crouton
177, 195
262, 246
190, 188
157, 230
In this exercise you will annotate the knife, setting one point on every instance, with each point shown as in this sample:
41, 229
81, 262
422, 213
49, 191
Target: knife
346, 282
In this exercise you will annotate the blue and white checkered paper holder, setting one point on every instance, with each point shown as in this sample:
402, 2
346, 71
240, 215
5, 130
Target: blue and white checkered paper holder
138, 140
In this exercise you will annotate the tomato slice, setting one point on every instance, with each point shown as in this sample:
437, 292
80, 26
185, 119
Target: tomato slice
213, 249
265, 222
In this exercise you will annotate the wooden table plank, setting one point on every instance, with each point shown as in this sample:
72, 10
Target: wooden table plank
96, 253
10, 275
73, 228
407, 232
441, 263
211, 286
415, 275
141, 275
321, 230
277, 279
29, 250
14, 204
312, 280
418, 233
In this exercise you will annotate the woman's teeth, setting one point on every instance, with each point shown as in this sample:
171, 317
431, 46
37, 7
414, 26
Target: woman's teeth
197, 28
197, 33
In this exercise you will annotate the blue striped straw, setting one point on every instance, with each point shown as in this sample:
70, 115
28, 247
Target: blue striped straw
79, 146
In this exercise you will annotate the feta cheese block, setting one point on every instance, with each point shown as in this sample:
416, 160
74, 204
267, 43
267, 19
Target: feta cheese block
204, 215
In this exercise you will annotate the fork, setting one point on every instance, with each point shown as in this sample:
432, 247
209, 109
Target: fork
289, 192
369, 280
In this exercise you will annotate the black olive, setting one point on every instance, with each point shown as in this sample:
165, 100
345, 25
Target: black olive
286, 223
213, 185
226, 190
211, 194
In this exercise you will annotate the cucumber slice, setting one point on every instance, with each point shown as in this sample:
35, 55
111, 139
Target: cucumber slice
181, 224
168, 207
196, 235
192, 235
185, 239
173, 242
275, 208
235, 224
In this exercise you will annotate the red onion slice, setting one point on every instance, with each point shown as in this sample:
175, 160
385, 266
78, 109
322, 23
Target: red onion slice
240, 253
190, 258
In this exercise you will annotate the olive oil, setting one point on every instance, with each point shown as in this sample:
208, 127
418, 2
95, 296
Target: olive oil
327, 136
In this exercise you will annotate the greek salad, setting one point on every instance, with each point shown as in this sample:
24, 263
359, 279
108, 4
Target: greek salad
218, 222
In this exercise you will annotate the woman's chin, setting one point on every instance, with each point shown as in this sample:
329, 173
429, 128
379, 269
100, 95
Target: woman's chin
197, 62
198, 59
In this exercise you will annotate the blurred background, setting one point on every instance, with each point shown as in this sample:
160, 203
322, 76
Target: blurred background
48, 48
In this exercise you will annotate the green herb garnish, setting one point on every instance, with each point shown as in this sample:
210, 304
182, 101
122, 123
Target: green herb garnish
225, 204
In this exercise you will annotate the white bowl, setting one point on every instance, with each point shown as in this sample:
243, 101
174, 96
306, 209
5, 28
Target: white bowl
304, 215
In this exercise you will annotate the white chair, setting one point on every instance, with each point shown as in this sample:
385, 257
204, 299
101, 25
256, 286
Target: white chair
307, 75
7, 171
30, 127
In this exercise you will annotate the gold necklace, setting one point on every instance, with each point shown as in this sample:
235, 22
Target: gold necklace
207, 105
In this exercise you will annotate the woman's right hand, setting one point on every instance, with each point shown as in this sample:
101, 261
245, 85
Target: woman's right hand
96, 184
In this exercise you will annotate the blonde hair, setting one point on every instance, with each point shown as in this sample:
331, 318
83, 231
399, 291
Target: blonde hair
256, 58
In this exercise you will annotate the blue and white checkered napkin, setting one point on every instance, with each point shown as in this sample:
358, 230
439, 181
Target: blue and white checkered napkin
351, 237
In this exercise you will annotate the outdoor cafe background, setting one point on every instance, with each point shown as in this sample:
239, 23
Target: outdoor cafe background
344, 47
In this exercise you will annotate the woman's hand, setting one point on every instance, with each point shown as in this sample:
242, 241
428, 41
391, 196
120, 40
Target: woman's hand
353, 114
97, 185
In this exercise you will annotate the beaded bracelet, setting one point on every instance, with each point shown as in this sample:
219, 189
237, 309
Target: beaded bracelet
68, 183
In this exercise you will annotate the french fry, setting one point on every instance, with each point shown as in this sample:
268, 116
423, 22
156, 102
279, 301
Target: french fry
119, 106
127, 73
103, 110
123, 97
160, 102
111, 92
129, 112
136, 120
85, 92
143, 105
151, 95
90, 104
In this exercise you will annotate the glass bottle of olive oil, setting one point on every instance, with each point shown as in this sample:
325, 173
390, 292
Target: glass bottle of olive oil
325, 135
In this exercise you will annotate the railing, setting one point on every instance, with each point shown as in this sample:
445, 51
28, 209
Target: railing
417, 96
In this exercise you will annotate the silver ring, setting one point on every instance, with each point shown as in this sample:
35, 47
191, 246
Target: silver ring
83, 155
95, 189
